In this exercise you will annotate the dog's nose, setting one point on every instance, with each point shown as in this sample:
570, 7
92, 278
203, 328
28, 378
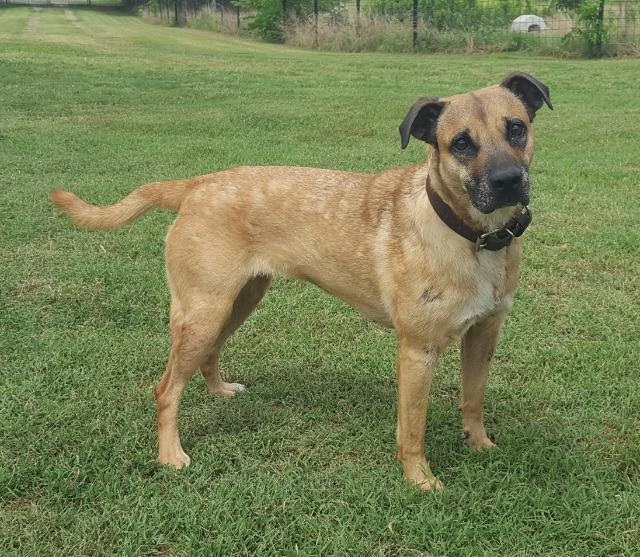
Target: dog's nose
503, 179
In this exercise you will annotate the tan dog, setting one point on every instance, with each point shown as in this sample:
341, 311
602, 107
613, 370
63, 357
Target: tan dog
404, 247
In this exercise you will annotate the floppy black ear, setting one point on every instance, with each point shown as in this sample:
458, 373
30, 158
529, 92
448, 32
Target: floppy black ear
529, 90
421, 120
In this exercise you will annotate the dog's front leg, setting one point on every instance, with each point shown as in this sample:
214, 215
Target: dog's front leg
415, 368
478, 347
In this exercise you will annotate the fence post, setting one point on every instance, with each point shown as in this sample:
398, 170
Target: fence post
238, 16
315, 23
600, 27
358, 8
284, 10
414, 24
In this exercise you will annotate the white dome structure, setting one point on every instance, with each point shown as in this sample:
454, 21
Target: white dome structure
528, 24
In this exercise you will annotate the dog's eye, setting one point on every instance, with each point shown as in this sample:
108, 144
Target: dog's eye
461, 144
517, 130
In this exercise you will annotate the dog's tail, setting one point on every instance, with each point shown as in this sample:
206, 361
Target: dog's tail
166, 195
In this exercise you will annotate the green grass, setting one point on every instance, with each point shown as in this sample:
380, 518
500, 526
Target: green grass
303, 463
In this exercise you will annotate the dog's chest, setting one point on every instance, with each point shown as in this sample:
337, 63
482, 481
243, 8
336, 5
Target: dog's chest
487, 292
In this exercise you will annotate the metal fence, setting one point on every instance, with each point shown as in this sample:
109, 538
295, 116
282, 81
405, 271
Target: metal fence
69, 3
598, 22
429, 25
210, 15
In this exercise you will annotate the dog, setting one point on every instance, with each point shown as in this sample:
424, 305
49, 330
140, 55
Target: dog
431, 250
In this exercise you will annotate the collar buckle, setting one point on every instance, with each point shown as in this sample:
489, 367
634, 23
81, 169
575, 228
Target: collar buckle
502, 237
495, 240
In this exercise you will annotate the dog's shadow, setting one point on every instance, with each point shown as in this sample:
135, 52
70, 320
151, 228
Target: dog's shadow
324, 393
333, 417
327, 409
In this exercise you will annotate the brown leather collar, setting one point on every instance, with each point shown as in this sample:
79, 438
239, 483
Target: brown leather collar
492, 241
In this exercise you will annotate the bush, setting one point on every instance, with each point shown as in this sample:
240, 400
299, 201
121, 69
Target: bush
590, 33
270, 17
267, 21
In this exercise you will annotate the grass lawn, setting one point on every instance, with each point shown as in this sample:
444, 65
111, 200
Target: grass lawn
302, 463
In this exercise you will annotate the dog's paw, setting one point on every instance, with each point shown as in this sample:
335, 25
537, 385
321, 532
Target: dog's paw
431, 484
178, 459
227, 389
478, 442
419, 474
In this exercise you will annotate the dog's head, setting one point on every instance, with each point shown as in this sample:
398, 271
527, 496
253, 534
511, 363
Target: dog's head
482, 142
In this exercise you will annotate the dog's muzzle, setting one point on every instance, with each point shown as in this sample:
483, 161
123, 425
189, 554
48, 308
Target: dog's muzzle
505, 183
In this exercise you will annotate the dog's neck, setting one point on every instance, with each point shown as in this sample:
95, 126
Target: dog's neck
461, 205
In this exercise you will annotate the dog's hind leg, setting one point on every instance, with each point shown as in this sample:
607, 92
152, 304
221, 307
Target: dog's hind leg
248, 298
203, 288
193, 331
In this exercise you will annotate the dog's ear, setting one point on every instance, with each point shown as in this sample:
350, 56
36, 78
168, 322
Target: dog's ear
529, 90
421, 121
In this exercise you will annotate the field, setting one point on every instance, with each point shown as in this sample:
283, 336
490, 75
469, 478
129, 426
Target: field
303, 463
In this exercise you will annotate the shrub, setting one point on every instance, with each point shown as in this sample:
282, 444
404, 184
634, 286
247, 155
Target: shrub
269, 15
590, 33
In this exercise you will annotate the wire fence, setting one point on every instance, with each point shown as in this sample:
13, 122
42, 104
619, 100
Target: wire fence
598, 23
596, 27
67, 3
210, 15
